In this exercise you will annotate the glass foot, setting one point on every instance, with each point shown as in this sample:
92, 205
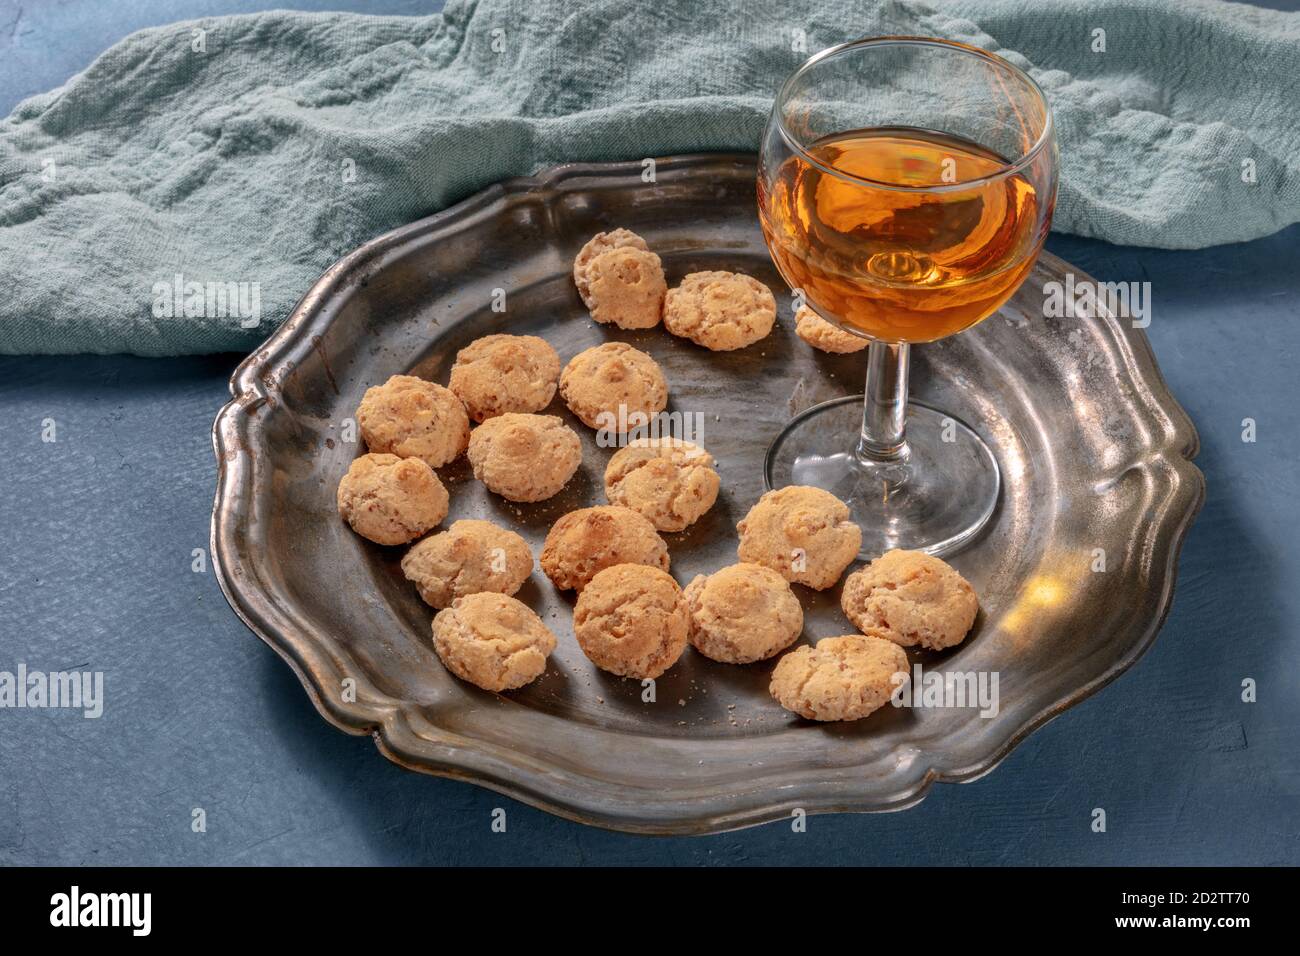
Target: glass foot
934, 499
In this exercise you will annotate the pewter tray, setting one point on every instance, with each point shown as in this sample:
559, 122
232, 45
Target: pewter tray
1095, 454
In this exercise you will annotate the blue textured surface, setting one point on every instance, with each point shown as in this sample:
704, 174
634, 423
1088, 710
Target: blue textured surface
95, 573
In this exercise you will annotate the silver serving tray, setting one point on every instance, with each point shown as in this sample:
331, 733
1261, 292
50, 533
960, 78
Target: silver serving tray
1095, 454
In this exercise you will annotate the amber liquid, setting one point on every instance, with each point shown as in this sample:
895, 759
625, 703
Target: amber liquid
902, 265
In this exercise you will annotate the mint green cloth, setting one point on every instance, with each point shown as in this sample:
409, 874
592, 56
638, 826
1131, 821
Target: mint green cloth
292, 138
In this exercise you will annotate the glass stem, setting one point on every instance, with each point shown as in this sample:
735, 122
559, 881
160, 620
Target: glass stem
884, 407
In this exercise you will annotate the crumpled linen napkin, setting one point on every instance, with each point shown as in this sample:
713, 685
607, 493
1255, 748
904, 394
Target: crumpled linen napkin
254, 151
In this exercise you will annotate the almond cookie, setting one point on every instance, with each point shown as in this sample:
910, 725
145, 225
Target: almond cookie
505, 373
743, 613
470, 557
720, 310
910, 598
802, 533
412, 418
670, 481
820, 334
842, 678
391, 500
492, 640
626, 287
631, 620
585, 542
598, 245
524, 457
598, 383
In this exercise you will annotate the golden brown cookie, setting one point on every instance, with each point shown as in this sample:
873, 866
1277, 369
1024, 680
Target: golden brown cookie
599, 382
505, 373
910, 598
470, 557
524, 457
597, 245
391, 500
820, 334
587, 541
626, 288
803, 533
720, 310
492, 640
842, 678
412, 418
631, 620
742, 613
670, 481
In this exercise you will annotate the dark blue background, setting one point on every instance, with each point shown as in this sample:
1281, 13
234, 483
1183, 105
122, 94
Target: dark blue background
96, 533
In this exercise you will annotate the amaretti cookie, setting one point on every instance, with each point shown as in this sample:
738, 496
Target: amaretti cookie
391, 500
587, 541
412, 418
802, 533
822, 335
626, 288
720, 310
842, 678
598, 245
505, 373
631, 620
911, 599
606, 385
524, 457
492, 640
743, 613
670, 481
470, 557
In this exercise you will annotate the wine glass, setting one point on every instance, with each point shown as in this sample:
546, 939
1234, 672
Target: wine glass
905, 188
